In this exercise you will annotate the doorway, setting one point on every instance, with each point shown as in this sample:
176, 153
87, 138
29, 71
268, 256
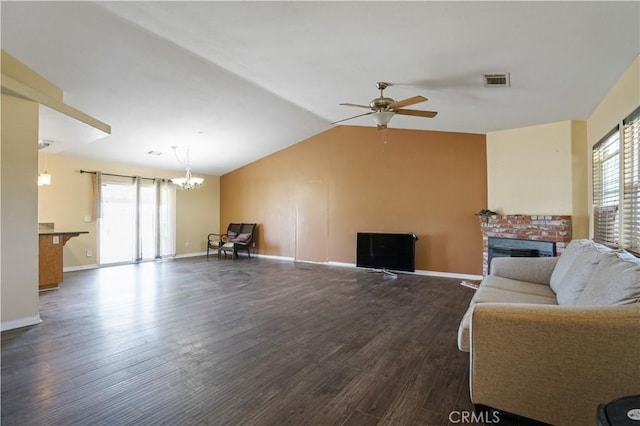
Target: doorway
117, 225
311, 221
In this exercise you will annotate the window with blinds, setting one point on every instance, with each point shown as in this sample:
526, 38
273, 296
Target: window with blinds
631, 180
606, 189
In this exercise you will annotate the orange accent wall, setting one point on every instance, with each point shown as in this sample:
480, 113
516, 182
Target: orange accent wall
362, 179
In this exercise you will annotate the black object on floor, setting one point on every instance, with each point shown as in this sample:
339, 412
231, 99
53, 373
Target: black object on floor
623, 411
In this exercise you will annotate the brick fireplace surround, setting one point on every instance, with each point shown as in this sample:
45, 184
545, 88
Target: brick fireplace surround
525, 227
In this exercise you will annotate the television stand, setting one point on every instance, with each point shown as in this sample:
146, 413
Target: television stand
385, 271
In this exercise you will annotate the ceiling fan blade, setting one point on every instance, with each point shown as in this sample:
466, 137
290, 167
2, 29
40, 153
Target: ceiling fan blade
417, 113
355, 116
407, 102
356, 105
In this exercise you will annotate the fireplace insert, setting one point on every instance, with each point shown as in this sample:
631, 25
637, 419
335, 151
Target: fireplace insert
513, 247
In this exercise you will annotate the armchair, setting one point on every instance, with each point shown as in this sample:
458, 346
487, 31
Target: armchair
239, 237
215, 241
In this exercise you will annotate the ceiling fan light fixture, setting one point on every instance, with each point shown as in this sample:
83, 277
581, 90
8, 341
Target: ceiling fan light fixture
382, 118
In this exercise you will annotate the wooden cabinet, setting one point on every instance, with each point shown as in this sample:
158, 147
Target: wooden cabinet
50, 257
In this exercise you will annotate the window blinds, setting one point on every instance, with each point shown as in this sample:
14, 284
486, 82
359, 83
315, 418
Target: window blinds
606, 189
631, 179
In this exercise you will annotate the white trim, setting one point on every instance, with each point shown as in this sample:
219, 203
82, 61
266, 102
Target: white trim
353, 265
449, 275
96, 266
79, 267
268, 256
420, 272
181, 256
342, 264
20, 322
313, 262
291, 259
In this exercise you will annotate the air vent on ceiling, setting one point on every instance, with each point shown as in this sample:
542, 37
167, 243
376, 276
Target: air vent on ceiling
497, 80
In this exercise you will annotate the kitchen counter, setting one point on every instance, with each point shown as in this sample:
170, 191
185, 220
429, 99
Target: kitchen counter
50, 246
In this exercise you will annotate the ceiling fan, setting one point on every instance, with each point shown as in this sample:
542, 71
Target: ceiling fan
383, 109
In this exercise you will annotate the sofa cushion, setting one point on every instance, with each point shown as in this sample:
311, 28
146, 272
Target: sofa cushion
490, 294
569, 288
615, 281
568, 256
579, 274
525, 287
503, 290
625, 255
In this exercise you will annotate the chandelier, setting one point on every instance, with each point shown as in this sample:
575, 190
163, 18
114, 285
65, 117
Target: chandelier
188, 181
44, 178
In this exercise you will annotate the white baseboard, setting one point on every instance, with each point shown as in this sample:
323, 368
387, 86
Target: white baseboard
291, 259
268, 256
449, 275
353, 265
95, 265
79, 267
342, 264
184, 255
20, 322
420, 272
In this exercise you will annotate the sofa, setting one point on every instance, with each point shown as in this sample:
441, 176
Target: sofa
552, 338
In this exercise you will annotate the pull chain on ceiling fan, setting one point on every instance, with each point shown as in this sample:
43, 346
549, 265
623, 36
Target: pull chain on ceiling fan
383, 109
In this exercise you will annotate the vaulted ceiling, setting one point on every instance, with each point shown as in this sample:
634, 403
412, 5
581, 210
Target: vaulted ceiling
236, 81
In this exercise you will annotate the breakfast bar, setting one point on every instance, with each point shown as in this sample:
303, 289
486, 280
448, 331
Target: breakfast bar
50, 256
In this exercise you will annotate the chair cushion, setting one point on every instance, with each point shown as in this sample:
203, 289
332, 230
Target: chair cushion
242, 238
615, 281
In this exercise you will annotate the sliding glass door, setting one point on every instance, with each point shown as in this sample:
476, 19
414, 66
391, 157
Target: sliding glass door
117, 225
138, 220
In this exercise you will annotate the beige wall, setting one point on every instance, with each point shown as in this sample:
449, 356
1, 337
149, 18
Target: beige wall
19, 197
310, 199
620, 101
69, 199
558, 155
579, 179
539, 170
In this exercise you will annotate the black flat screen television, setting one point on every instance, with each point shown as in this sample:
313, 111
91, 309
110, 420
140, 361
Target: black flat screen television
395, 252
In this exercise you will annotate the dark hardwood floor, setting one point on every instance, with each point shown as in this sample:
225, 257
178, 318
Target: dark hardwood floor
239, 342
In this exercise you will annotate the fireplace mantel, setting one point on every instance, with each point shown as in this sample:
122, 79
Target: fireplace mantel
525, 227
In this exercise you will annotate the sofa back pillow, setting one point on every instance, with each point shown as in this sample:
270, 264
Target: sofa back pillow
579, 274
574, 249
615, 281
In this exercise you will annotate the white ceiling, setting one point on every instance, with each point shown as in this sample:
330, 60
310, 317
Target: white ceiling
236, 81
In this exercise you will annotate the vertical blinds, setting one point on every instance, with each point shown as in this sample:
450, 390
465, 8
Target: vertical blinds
631, 179
606, 189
